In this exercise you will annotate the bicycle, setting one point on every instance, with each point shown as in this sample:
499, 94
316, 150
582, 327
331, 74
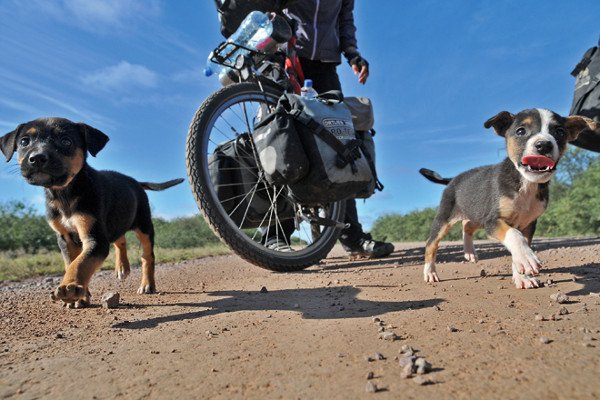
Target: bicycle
226, 118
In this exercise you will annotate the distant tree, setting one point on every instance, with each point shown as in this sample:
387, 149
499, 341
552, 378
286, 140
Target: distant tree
184, 232
21, 228
575, 208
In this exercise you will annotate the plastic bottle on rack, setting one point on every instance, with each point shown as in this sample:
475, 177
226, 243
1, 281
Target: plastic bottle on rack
308, 91
254, 32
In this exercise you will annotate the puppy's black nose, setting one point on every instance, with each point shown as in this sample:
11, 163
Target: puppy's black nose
38, 159
543, 146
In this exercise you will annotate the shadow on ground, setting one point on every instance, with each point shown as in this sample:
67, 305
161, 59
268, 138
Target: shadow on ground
454, 253
312, 303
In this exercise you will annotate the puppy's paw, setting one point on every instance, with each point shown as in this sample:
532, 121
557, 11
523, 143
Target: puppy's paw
527, 262
429, 273
122, 272
78, 304
146, 289
525, 281
70, 293
471, 256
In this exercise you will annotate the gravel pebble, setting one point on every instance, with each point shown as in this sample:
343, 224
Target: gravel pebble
452, 329
545, 340
389, 336
407, 360
539, 317
559, 298
371, 387
407, 350
263, 290
422, 365
407, 371
563, 311
370, 375
110, 300
421, 380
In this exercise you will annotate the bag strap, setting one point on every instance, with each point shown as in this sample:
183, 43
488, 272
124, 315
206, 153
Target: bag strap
378, 185
346, 153
332, 95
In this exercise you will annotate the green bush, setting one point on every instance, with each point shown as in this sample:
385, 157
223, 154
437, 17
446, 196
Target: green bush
575, 209
185, 232
21, 228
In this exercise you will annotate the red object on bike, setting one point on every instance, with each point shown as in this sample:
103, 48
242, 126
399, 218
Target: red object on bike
293, 67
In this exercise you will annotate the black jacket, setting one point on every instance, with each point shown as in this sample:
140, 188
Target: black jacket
325, 29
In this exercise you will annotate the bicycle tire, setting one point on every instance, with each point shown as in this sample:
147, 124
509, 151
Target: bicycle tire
208, 202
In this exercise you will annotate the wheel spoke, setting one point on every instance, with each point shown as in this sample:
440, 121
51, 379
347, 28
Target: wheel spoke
228, 115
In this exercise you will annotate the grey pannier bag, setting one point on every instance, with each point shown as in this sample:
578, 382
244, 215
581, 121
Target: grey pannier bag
363, 119
337, 166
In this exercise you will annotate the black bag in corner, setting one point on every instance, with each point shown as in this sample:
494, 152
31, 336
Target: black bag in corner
234, 174
586, 98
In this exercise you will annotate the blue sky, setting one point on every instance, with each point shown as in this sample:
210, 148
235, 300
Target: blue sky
133, 69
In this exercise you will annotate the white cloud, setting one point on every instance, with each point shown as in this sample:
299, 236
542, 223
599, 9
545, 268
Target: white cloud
98, 16
111, 11
121, 77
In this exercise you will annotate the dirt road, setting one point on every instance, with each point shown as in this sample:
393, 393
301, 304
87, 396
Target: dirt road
212, 333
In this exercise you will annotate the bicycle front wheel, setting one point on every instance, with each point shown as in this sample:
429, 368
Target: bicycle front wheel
280, 236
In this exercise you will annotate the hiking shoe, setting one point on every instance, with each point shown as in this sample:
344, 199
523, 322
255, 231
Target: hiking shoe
279, 245
370, 248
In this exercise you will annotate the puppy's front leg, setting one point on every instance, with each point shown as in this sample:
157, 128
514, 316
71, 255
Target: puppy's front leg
95, 247
68, 248
525, 263
469, 229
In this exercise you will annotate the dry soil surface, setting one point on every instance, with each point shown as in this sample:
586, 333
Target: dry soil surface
212, 333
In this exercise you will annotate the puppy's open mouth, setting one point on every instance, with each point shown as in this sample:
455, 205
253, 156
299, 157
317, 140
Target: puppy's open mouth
538, 164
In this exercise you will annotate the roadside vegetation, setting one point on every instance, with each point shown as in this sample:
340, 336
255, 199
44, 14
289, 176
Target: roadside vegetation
28, 245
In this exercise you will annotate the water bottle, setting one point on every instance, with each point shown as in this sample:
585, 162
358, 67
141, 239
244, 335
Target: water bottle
254, 33
307, 91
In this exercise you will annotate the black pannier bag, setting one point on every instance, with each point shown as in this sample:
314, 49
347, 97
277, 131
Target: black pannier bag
311, 146
586, 98
234, 173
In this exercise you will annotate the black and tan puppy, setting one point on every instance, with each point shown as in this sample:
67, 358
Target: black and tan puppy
88, 209
506, 199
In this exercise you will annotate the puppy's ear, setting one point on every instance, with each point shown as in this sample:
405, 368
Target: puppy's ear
8, 143
501, 122
95, 140
575, 125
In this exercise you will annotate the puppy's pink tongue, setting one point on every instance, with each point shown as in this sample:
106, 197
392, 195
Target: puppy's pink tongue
538, 162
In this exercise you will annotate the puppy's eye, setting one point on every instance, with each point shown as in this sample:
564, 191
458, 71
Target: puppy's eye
65, 141
24, 141
560, 131
520, 131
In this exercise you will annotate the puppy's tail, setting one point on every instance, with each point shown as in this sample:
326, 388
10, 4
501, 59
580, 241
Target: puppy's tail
161, 186
434, 176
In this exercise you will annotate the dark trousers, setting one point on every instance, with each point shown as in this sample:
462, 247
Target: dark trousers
325, 78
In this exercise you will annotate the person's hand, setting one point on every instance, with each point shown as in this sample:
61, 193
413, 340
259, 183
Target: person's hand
360, 67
